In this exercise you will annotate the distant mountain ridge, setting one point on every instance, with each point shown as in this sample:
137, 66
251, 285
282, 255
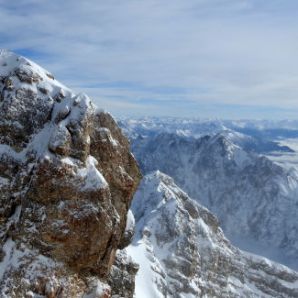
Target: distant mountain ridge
260, 135
249, 137
255, 199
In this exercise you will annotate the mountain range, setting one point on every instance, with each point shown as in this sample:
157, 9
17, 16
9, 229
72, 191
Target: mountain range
78, 220
254, 197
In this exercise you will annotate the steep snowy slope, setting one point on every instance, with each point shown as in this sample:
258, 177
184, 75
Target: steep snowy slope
182, 251
255, 199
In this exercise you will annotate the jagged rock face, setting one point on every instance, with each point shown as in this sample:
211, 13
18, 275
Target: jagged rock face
122, 275
182, 251
244, 190
66, 180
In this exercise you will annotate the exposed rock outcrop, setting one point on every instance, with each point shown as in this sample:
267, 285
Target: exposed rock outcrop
66, 182
122, 275
182, 251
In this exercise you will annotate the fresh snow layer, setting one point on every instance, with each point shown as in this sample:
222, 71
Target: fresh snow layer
53, 134
145, 282
93, 179
175, 235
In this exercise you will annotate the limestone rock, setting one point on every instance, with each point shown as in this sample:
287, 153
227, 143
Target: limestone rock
67, 178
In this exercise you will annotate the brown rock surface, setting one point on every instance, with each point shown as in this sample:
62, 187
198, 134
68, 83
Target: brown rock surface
66, 181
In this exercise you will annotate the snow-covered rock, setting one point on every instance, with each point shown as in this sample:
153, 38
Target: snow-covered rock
122, 275
182, 252
66, 181
255, 199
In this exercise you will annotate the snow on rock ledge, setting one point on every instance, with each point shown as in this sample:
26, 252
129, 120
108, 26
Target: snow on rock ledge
66, 182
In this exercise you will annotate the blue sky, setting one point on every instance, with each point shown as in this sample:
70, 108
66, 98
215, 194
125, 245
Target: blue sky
195, 58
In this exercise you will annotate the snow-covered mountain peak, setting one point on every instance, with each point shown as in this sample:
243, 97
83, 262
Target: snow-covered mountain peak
164, 193
22, 71
182, 251
243, 188
30, 97
222, 144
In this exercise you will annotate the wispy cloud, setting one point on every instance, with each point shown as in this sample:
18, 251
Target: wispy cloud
142, 55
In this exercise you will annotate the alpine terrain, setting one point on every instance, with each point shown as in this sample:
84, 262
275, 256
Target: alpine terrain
183, 252
66, 182
255, 198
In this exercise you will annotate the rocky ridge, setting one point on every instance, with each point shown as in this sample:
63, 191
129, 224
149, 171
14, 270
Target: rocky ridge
66, 181
183, 252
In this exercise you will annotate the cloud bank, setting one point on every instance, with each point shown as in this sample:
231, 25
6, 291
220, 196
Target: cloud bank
204, 58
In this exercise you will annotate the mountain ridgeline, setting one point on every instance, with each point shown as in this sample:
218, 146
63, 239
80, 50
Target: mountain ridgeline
78, 220
183, 252
255, 199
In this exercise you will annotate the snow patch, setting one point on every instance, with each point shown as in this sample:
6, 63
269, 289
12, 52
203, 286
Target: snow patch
93, 179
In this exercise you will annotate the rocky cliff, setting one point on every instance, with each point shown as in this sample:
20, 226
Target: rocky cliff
66, 182
183, 252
